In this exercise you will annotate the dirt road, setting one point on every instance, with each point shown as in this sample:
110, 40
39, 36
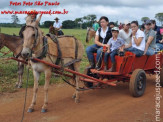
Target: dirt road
112, 104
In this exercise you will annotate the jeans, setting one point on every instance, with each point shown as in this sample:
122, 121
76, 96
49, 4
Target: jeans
150, 51
136, 51
160, 46
94, 49
112, 56
60, 32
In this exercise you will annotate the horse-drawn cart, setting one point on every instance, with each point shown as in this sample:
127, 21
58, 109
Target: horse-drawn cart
129, 68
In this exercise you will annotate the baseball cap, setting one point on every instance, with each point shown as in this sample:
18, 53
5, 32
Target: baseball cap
147, 22
126, 22
115, 29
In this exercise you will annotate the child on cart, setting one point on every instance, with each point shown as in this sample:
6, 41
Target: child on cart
115, 45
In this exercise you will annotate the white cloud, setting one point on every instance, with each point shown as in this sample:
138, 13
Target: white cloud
114, 9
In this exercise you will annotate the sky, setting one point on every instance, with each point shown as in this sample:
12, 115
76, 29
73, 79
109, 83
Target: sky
115, 10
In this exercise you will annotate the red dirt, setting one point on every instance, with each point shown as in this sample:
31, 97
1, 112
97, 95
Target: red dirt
112, 104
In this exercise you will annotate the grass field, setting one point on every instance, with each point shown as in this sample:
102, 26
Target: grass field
8, 68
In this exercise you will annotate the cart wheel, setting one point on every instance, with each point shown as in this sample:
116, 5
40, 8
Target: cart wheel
161, 77
87, 72
137, 83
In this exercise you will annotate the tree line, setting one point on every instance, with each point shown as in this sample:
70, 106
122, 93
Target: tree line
82, 22
158, 16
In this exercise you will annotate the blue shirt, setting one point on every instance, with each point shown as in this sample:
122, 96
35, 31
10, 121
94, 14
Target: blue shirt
115, 44
158, 35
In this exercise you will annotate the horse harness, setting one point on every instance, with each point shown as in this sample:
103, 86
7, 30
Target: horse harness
59, 57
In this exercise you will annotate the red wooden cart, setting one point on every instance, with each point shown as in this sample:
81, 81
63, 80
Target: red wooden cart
129, 68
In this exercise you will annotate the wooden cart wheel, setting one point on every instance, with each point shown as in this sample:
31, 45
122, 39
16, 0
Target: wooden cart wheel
87, 72
161, 77
137, 83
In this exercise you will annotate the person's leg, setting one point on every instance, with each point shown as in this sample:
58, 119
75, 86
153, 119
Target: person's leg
136, 51
129, 49
62, 32
99, 58
150, 51
106, 56
59, 33
89, 51
112, 56
99, 54
159, 46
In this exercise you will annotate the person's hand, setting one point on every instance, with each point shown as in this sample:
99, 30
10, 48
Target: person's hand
108, 51
133, 33
144, 53
105, 45
121, 49
161, 41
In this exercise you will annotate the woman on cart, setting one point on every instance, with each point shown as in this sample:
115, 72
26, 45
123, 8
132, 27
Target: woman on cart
137, 45
103, 34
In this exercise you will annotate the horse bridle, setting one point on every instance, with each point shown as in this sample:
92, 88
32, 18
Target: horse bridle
36, 34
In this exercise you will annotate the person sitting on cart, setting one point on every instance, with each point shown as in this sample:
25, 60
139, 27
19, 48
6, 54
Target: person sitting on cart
114, 45
137, 45
103, 34
126, 32
159, 39
150, 39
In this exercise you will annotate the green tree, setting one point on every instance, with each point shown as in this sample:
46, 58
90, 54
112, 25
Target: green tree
47, 24
144, 19
90, 18
68, 24
159, 17
15, 19
79, 22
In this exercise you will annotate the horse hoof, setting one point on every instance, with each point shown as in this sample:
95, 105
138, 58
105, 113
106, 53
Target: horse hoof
20, 86
16, 86
77, 100
30, 110
43, 110
73, 96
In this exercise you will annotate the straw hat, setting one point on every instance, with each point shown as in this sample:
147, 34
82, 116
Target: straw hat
56, 18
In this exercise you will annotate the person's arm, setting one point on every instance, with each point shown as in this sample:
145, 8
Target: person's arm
108, 51
161, 41
97, 38
97, 41
122, 48
129, 45
150, 39
137, 41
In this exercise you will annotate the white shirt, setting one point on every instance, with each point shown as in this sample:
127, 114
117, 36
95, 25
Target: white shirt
102, 33
57, 25
139, 34
125, 36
